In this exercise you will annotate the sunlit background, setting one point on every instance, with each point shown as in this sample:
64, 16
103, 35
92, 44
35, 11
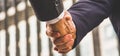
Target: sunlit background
21, 34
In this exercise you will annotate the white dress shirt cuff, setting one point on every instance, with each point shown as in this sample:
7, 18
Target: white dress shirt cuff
56, 19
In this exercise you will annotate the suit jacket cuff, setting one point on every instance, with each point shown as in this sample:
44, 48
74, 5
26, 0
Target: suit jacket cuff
80, 28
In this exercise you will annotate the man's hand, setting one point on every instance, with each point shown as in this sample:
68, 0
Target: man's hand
63, 33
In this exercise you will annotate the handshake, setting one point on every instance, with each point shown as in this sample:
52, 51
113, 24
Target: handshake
62, 33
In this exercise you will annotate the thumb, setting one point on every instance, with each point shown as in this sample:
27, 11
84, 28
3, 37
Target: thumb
67, 16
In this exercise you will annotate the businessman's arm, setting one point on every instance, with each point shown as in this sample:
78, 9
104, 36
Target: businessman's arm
87, 14
51, 11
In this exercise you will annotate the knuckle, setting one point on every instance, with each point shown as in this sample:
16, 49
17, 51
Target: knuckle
56, 42
61, 46
47, 33
65, 45
62, 40
54, 34
64, 50
65, 39
68, 44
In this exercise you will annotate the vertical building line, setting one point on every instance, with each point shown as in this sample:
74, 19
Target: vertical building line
38, 38
2, 25
9, 11
6, 28
63, 54
119, 46
50, 48
78, 50
96, 42
2, 10
27, 28
17, 30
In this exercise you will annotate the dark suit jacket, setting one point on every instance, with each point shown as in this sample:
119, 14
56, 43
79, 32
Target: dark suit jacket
87, 14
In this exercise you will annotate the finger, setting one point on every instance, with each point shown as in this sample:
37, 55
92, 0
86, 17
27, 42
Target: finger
55, 34
67, 16
52, 33
49, 30
55, 49
65, 50
66, 45
63, 40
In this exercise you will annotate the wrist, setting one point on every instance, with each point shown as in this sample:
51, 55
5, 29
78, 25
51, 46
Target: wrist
53, 21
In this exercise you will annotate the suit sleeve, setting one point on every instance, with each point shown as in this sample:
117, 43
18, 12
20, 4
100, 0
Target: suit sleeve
87, 14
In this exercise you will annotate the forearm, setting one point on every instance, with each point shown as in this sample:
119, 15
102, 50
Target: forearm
89, 14
47, 10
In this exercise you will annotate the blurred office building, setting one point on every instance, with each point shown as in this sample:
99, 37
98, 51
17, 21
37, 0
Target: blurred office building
21, 34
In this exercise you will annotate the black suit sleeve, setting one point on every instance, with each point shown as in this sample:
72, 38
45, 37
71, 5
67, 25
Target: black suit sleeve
87, 14
46, 10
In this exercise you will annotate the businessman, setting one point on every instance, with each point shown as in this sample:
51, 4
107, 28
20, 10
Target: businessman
85, 15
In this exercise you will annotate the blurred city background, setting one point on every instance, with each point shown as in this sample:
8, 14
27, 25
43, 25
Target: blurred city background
21, 34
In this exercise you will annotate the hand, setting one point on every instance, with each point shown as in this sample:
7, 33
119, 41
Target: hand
63, 33
64, 44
